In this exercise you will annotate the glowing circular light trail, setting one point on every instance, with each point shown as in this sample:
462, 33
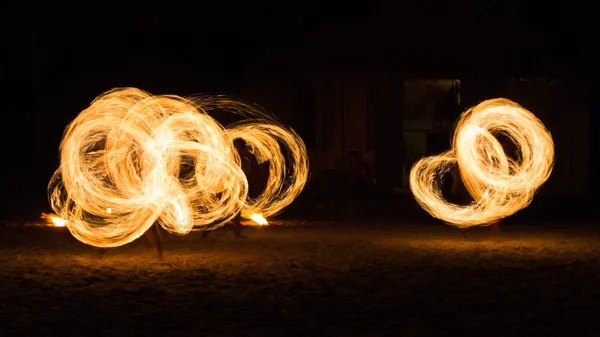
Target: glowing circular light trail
500, 185
124, 159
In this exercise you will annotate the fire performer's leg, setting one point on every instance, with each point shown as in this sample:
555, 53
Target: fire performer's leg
495, 230
237, 226
155, 238
464, 232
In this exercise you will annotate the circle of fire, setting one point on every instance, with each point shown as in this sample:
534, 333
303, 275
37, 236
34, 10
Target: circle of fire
132, 158
500, 185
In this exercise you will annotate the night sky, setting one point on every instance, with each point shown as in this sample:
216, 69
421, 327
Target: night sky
60, 56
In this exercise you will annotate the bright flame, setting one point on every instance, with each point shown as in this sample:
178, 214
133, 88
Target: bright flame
131, 159
259, 219
54, 220
499, 185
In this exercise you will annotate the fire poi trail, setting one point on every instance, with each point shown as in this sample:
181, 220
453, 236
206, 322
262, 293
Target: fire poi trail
132, 158
499, 185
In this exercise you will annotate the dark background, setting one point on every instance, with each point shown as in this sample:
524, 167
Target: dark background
337, 277
60, 56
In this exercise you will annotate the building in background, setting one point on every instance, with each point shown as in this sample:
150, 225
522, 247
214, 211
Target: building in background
375, 89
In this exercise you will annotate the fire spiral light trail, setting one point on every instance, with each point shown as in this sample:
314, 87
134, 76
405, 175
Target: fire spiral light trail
131, 159
499, 185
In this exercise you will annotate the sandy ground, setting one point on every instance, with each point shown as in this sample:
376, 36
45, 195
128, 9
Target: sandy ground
326, 279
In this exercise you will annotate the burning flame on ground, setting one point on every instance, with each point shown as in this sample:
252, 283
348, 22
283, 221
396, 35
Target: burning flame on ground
499, 185
124, 158
54, 220
259, 219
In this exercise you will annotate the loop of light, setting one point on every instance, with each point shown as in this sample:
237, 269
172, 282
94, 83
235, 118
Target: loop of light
500, 185
132, 158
